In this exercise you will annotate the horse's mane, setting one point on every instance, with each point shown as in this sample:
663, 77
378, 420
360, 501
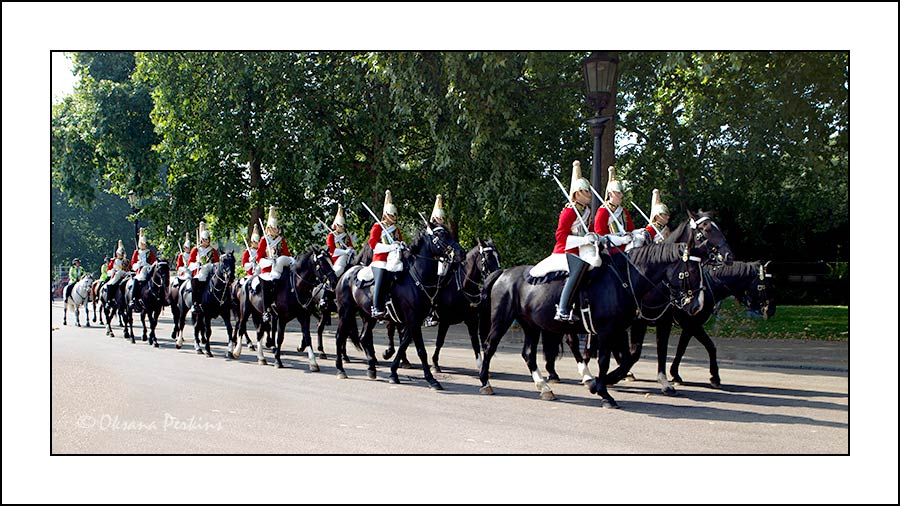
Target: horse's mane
735, 270
304, 259
657, 253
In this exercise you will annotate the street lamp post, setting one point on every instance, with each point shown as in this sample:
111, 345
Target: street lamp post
600, 74
135, 201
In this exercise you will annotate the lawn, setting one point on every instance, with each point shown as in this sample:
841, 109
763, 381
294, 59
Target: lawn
824, 323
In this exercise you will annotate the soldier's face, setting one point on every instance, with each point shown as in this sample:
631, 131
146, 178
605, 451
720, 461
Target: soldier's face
204, 242
662, 218
583, 197
389, 219
339, 228
615, 198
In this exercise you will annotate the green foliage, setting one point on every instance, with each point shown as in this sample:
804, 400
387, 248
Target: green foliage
762, 138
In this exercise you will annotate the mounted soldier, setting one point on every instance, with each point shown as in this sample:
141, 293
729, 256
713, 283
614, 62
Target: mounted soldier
659, 218
200, 262
76, 272
274, 256
437, 216
340, 244
141, 260
249, 260
117, 270
184, 259
613, 222
386, 243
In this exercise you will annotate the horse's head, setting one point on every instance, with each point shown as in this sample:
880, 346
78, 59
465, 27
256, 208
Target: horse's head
707, 238
323, 267
161, 272
440, 244
685, 281
487, 259
227, 262
759, 295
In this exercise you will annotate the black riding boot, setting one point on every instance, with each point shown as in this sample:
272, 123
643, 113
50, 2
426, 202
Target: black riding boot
268, 297
134, 291
577, 270
196, 295
377, 293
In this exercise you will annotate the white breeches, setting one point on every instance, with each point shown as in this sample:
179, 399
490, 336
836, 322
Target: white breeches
203, 273
341, 265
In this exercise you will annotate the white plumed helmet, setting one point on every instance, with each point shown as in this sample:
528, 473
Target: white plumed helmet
187, 240
438, 211
204, 234
273, 218
389, 207
613, 184
142, 239
578, 183
254, 237
656, 206
121, 248
339, 217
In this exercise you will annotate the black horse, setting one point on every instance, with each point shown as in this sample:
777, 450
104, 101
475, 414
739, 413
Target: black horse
179, 310
215, 301
750, 284
411, 296
458, 300
613, 290
705, 240
239, 295
114, 303
153, 299
293, 299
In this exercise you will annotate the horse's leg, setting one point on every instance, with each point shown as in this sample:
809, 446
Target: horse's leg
388, 353
144, 324
602, 346
683, 340
415, 331
229, 329
108, 312
367, 341
311, 353
441, 334
66, 311
663, 330
154, 319
282, 323
198, 328
551, 344
260, 334
707, 342
345, 317
320, 328
583, 361
627, 356
207, 317
529, 354
472, 326
501, 319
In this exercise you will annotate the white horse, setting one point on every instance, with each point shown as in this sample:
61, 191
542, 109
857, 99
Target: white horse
78, 297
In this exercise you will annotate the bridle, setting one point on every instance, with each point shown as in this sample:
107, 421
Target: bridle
701, 239
225, 283
446, 255
312, 284
481, 264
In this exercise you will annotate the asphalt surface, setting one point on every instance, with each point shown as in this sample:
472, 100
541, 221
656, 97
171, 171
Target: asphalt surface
109, 396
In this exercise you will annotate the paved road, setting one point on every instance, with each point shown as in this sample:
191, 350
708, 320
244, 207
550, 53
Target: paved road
109, 396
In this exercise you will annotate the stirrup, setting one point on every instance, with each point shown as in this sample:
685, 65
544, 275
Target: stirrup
431, 321
378, 313
195, 309
569, 317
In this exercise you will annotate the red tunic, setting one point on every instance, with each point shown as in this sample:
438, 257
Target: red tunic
180, 262
348, 243
567, 218
194, 254
375, 238
604, 224
150, 258
264, 243
245, 260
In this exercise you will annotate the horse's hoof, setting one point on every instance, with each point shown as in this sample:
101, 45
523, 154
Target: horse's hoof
66, 324
87, 324
199, 352
321, 356
388, 353
279, 365
676, 380
262, 362
608, 404
592, 386
405, 364
133, 341
393, 379
371, 375
143, 338
715, 383
229, 356
553, 379
548, 396
155, 344
313, 367
341, 375
630, 377
209, 354
177, 346
435, 384
203, 341
486, 390
346, 358
436, 369
669, 390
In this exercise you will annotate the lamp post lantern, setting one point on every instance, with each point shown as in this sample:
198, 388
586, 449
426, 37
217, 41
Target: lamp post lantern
600, 75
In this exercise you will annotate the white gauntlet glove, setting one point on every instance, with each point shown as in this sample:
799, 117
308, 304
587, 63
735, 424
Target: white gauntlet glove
618, 240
